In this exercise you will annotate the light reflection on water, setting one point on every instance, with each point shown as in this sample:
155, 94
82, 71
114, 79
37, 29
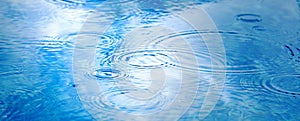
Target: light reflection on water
136, 52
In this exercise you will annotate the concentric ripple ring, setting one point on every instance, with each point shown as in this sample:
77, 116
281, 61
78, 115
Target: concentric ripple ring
84, 56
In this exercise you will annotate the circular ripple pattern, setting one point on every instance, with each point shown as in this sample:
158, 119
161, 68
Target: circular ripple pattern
104, 73
108, 41
285, 85
145, 78
203, 55
145, 58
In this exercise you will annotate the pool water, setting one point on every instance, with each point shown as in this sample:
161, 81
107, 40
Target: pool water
149, 60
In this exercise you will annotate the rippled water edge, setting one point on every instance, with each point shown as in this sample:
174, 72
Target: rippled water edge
36, 65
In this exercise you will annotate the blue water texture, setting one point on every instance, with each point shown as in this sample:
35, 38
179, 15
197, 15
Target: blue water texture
143, 60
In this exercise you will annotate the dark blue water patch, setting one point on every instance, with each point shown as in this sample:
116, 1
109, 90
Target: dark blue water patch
249, 18
1, 102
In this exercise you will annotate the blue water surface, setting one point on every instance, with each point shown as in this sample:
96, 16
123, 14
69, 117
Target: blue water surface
149, 62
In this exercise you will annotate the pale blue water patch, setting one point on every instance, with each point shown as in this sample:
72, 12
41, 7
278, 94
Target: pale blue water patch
148, 60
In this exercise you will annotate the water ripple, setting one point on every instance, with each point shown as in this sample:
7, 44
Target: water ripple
244, 69
10, 70
294, 52
284, 85
203, 55
108, 42
52, 50
155, 56
32, 103
108, 73
75, 4
114, 99
144, 58
251, 18
259, 28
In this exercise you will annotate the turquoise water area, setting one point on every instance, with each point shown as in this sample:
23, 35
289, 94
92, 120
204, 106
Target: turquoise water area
150, 60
